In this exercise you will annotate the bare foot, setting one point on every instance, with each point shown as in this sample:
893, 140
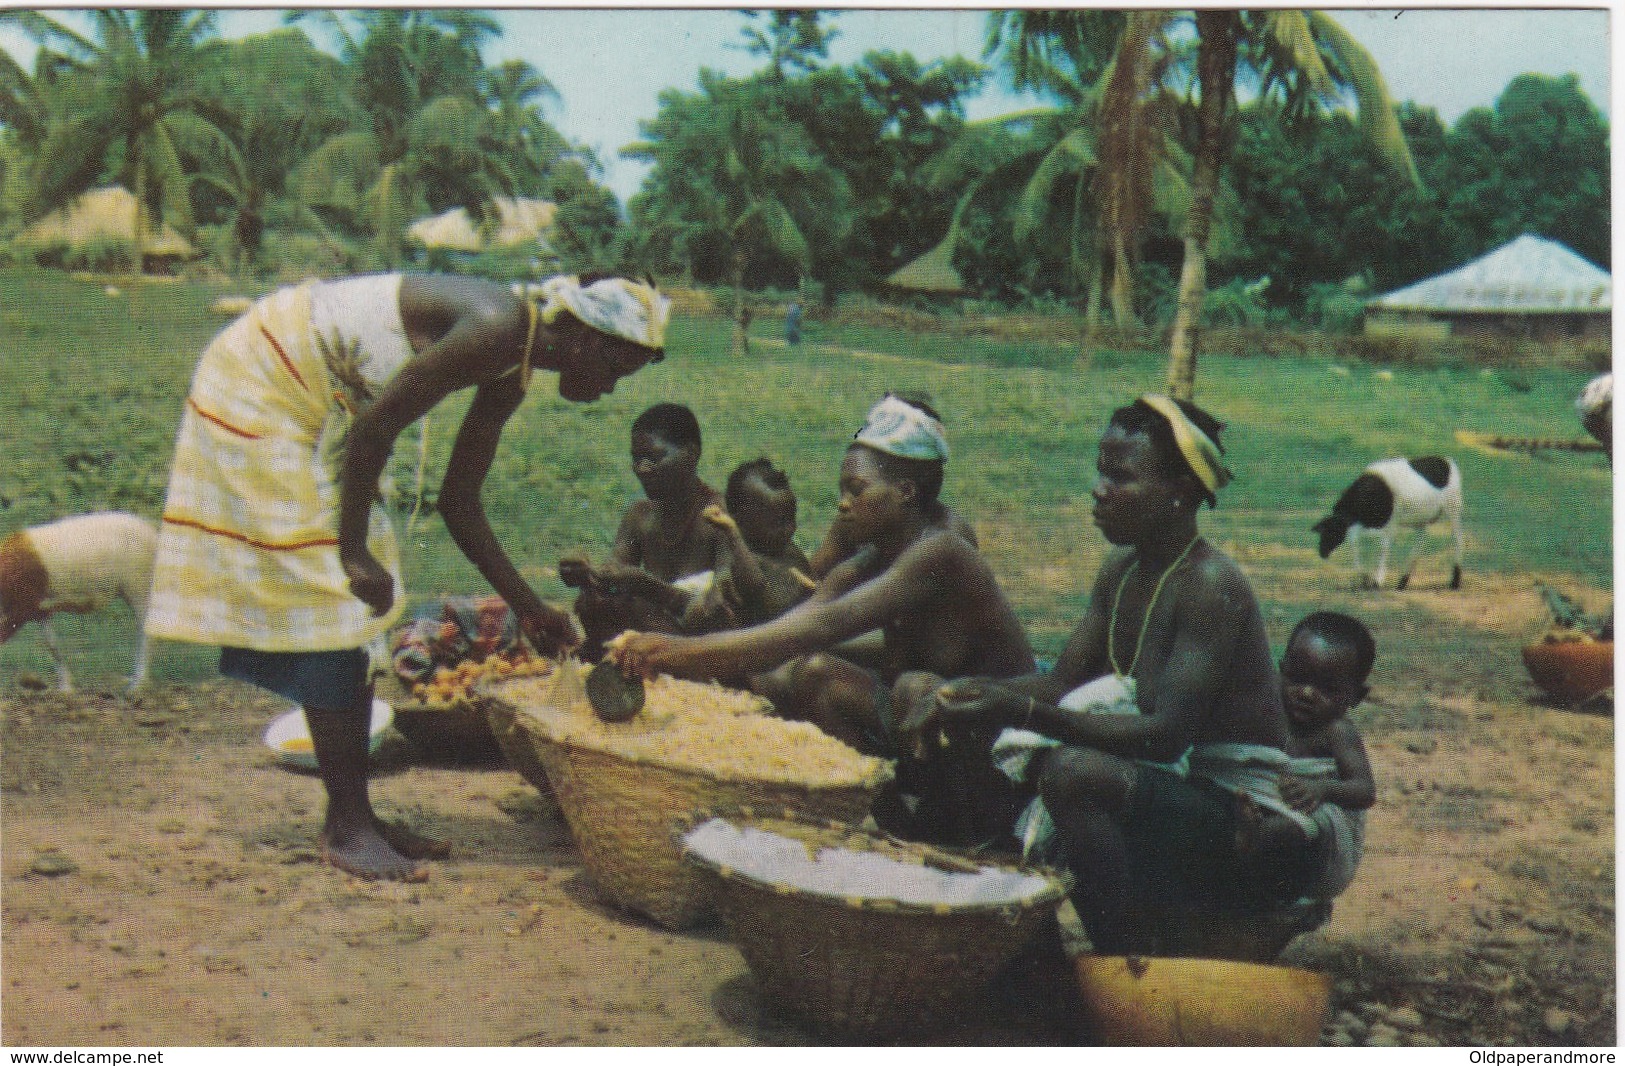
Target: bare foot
370, 858
400, 836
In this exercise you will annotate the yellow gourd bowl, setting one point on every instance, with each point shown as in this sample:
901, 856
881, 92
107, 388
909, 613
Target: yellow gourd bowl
1157, 1002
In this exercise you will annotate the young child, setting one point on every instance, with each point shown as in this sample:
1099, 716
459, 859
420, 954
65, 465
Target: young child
662, 573
768, 573
1323, 676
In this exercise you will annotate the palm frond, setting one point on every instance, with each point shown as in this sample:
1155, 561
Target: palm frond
48, 31
1378, 119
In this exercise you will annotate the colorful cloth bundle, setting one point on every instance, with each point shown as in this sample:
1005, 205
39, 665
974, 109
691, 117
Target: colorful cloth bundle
463, 628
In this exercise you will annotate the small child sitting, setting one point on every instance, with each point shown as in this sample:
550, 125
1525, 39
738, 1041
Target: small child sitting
662, 570
1323, 676
767, 571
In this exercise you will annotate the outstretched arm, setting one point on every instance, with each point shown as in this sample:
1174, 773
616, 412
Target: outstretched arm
916, 577
547, 628
1013, 701
476, 347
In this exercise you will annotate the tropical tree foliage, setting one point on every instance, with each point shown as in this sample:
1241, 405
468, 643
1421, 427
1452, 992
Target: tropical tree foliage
1535, 162
277, 92
1300, 63
737, 188
425, 141
833, 189
123, 106
1172, 145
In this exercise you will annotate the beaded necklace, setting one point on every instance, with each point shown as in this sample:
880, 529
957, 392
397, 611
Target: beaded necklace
1145, 623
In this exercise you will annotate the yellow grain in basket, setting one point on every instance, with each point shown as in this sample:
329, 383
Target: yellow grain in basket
724, 732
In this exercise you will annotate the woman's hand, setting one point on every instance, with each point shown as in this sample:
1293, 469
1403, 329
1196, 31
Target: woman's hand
369, 581
550, 631
646, 654
972, 699
949, 709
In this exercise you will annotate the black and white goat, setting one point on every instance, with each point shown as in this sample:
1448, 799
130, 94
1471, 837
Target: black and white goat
77, 564
1393, 494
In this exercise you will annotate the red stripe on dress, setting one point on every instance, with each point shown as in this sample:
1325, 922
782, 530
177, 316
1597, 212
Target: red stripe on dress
222, 423
284, 357
320, 542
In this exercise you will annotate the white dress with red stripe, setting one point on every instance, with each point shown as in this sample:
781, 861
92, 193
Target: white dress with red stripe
248, 550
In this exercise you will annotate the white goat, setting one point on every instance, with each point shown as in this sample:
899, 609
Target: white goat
1408, 493
77, 564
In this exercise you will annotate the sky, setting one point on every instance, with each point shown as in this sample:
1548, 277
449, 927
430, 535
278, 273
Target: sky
610, 65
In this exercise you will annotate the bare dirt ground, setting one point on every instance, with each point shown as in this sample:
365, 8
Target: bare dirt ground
161, 887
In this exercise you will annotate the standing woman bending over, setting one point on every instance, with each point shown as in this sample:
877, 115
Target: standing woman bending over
271, 546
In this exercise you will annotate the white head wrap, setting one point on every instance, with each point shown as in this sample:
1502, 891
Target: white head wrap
630, 310
901, 429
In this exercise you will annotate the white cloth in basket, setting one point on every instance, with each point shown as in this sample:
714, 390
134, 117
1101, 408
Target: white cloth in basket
774, 859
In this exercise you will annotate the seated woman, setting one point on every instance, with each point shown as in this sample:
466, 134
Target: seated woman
1172, 653
927, 589
663, 565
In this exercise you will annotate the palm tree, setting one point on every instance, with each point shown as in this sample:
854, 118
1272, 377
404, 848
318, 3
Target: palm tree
528, 143
423, 140
279, 92
1105, 157
126, 103
25, 115
1300, 62
734, 177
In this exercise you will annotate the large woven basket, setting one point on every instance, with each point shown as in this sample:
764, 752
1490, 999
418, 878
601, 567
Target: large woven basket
514, 741
872, 961
622, 811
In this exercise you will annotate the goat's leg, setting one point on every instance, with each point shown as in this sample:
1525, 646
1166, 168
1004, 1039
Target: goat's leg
1406, 562
1461, 541
1385, 541
64, 683
1357, 545
138, 670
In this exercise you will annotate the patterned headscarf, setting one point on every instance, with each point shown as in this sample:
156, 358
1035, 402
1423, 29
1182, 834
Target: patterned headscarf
630, 310
898, 428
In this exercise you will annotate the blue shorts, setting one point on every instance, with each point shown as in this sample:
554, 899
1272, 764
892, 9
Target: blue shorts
321, 680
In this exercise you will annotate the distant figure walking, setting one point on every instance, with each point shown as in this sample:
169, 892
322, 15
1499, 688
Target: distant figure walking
792, 324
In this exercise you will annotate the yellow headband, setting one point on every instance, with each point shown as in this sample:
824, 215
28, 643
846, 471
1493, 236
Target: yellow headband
1201, 454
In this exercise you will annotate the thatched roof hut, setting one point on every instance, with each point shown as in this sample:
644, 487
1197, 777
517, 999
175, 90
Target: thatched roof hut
932, 272
1531, 287
518, 221
107, 215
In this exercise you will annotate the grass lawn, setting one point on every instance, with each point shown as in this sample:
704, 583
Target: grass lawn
92, 385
